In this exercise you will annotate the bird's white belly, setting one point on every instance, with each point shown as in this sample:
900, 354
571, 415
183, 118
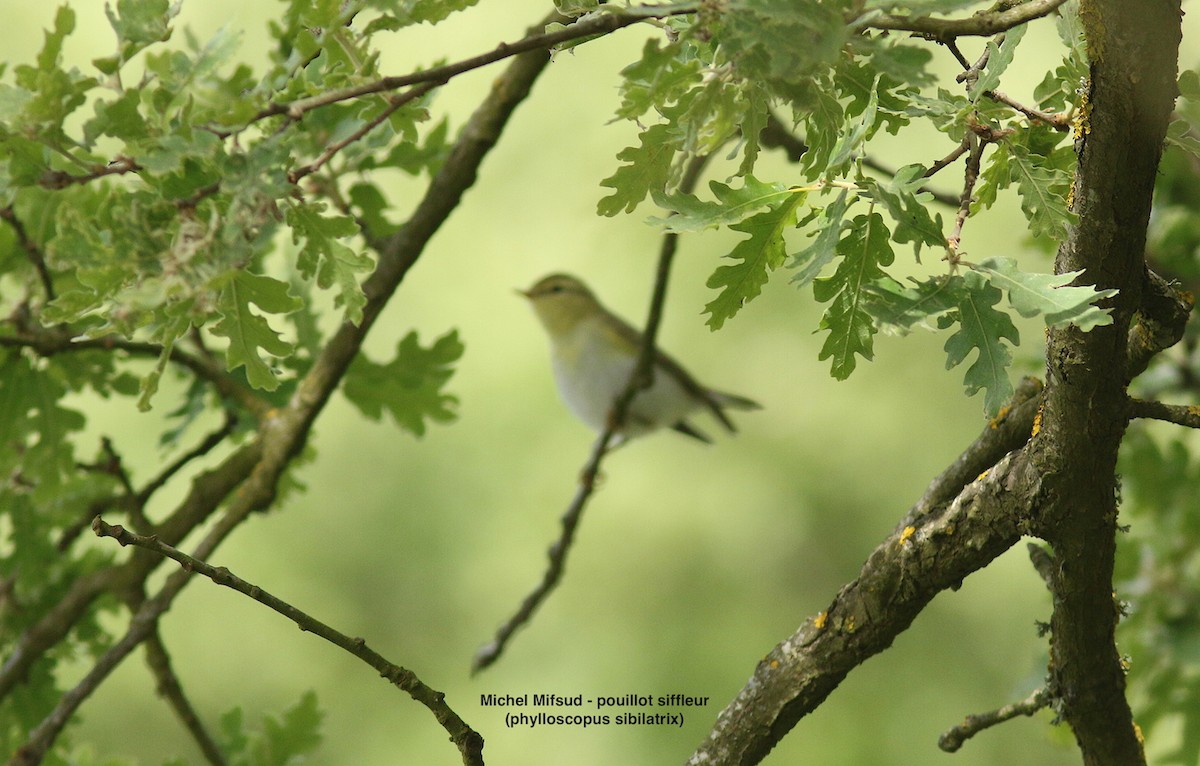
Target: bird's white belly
591, 373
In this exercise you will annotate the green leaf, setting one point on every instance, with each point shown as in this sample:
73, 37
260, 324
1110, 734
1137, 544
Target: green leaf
811, 260
999, 58
647, 169
906, 203
783, 42
731, 206
298, 734
982, 328
410, 386
755, 257
1180, 134
864, 250
1050, 295
898, 308
324, 255
246, 330
1043, 189
659, 78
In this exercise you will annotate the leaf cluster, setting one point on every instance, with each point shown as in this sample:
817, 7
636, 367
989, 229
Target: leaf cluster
723, 74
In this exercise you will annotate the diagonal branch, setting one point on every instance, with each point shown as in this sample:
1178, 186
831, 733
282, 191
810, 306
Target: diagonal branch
469, 741
169, 686
900, 578
639, 378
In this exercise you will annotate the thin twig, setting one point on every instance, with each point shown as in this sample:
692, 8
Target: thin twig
978, 25
136, 500
169, 687
639, 378
394, 103
48, 342
1187, 415
970, 177
953, 739
948, 160
57, 179
588, 27
32, 251
1060, 121
776, 136
400, 677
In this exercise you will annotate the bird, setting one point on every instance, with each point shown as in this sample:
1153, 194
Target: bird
593, 352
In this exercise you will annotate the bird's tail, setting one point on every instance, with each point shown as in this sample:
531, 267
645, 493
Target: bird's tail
718, 401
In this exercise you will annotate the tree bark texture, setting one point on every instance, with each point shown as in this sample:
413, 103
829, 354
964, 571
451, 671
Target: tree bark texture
1133, 50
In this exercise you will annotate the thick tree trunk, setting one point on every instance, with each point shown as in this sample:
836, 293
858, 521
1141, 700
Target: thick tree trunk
1133, 49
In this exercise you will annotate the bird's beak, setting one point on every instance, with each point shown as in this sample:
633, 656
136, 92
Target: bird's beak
523, 293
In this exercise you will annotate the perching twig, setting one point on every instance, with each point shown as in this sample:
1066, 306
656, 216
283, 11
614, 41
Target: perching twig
953, 739
639, 379
405, 679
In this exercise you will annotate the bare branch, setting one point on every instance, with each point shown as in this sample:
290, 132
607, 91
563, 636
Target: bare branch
1187, 415
953, 739
982, 24
168, 686
899, 579
470, 743
639, 379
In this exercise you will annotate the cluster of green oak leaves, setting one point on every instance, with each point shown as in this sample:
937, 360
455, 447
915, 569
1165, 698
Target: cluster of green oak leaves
158, 198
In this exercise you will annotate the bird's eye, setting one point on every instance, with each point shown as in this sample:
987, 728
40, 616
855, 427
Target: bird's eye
556, 288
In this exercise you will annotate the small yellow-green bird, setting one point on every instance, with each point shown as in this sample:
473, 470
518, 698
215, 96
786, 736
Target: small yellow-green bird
593, 353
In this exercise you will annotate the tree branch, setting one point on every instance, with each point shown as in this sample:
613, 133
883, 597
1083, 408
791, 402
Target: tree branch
468, 741
591, 26
640, 378
899, 579
169, 687
1187, 415
953, 739
254, 469
32, 251
50, 341
982, 24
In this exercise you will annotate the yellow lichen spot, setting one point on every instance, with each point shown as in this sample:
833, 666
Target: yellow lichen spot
849, 625
774, 664
995, 422
1037, 423
982, 476
1193, 410
1137, 732
819, 620
907, 534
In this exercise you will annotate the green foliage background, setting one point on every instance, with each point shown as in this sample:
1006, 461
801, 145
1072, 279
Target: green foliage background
689, 557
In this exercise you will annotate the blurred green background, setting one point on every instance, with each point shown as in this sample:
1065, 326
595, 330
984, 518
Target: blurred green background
692, 561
